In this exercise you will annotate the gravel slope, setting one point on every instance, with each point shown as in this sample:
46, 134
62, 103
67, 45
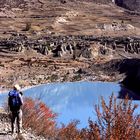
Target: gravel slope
5, 130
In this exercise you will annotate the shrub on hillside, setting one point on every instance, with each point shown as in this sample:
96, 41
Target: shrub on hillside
115, 121
38, 117
69, 132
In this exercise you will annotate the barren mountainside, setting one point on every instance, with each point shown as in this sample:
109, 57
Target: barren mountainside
130, 4
65, 40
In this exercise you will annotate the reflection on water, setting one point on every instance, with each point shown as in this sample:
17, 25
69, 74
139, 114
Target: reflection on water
73, 100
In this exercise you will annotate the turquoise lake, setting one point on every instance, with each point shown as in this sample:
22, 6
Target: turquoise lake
75, 100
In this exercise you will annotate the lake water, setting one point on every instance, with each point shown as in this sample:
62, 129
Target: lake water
75, 100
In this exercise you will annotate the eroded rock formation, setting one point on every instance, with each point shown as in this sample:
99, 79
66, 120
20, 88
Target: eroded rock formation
72, 46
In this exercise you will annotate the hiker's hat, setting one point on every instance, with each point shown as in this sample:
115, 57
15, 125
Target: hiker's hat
17, 87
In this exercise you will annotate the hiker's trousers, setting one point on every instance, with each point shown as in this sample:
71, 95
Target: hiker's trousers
16, 121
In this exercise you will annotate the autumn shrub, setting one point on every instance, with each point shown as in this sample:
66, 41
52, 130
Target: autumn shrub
38, 117
115, 121
69, 132
91, 133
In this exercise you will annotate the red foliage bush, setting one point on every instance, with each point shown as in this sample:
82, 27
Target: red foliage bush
69, 132
115, 121
38, 117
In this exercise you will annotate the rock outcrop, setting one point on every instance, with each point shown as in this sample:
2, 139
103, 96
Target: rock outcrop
72, 46
129, 4
63, 58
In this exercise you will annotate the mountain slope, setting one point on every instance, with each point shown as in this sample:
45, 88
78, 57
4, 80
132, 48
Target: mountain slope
55, 17
129, 4
62, 40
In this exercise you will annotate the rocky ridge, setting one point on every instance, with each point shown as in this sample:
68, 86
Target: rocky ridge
63, 58
129, 4
74, 46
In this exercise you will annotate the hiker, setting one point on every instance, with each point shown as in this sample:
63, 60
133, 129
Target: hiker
15, 102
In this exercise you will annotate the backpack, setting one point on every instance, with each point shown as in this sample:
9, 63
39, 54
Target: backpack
14, 101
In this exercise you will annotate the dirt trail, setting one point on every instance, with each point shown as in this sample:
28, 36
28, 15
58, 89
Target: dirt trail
4, 136
5, 129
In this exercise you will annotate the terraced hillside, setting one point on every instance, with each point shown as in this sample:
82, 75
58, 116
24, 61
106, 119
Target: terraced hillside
65, 40
41, 17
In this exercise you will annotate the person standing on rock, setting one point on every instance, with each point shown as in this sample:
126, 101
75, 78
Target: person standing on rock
15, 102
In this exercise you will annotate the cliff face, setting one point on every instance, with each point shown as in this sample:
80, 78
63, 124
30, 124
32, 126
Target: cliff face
129, 4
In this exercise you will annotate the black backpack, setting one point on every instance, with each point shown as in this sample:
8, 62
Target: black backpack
14, 100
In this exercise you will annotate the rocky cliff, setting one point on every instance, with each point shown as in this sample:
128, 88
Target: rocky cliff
129, 4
